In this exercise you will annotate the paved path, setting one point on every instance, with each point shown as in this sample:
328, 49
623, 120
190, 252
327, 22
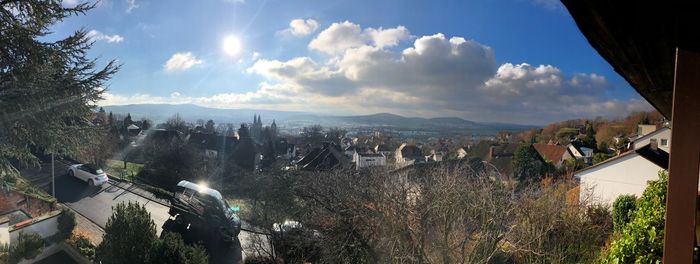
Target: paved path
93, 206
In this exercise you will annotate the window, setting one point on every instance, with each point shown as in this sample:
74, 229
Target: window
664, 142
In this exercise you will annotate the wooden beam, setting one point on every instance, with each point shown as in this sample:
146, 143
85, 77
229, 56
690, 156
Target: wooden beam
684, 160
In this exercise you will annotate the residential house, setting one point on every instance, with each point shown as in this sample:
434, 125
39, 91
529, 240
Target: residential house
553, 153
580, 152
643, 130
461, 153
133, 130
366, 160
661, 136
627, 173
327, 157
500, 155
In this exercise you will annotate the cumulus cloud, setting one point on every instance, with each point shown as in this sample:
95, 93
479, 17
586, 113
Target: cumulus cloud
438, 76
339, 37
99, 36
300, 27
388, 70
181, 61
131, 5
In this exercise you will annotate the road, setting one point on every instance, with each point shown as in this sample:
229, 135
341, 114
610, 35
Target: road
95, 205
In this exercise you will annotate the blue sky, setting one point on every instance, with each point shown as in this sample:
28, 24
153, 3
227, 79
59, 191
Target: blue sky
519, 61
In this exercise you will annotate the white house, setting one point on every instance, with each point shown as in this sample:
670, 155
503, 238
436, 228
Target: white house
579, 152
627, 173
366, 160
661, 136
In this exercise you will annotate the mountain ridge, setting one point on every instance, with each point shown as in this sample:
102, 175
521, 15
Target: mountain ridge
191, 112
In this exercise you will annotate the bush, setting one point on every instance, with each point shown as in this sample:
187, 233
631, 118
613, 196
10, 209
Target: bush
83, 244
623, 206
548, 230
27, 247
641, 240
172, 249
66, 223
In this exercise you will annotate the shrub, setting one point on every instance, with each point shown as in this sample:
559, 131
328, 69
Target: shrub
548, 230
66, 223
83, 244
622, 208
28, 245
641, 240
172, 249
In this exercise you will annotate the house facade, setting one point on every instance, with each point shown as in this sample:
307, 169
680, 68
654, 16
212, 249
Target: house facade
366, 160
625, 174
661, 136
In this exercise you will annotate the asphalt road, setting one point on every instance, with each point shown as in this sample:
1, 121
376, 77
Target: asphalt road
95, 204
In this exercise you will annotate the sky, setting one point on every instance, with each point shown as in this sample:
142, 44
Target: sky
515, 61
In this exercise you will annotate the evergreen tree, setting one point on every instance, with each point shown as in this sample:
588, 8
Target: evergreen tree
589, 139
527, 164
48, 87
110, 119
129, 235
127, 120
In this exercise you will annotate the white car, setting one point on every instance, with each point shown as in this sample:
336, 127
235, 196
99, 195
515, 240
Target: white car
88, 173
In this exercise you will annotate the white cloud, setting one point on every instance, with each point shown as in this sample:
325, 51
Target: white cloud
255, 55
181, 61
175, 94
339, 37
235, 1
437, 76
70, 3
131, 5
300, 27
434, 75
99, 36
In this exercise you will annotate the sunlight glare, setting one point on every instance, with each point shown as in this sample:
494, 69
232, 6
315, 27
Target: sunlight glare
232, 45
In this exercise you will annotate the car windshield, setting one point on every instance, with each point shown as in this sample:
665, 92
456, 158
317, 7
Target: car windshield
455, 131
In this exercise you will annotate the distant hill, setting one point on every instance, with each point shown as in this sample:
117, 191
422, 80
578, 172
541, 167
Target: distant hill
289, 119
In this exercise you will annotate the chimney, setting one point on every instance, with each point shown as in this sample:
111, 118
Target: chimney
654, 144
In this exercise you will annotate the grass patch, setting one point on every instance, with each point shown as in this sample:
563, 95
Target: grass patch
116, 168
244, 204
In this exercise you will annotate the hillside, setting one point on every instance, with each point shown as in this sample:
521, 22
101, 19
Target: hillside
290, 120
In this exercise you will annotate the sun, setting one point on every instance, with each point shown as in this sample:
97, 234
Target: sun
232, 45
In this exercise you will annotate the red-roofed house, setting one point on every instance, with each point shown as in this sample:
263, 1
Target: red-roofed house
556, 154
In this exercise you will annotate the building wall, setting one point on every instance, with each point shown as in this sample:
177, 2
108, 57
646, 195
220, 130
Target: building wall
645, 129
44, 226
364, 162
4, 233
14, 200
626, 175
665, 134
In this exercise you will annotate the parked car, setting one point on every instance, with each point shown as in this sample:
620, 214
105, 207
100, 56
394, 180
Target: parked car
89, 173
203, 208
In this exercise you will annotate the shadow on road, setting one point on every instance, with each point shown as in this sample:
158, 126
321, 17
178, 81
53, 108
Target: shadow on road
219, 252
70, 189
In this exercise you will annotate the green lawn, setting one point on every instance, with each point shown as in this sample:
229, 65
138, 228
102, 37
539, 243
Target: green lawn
116, 168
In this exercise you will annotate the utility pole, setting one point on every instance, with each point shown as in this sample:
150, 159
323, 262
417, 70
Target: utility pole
53, 177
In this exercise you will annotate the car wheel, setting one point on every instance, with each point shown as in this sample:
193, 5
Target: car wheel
70, 172
91, 183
